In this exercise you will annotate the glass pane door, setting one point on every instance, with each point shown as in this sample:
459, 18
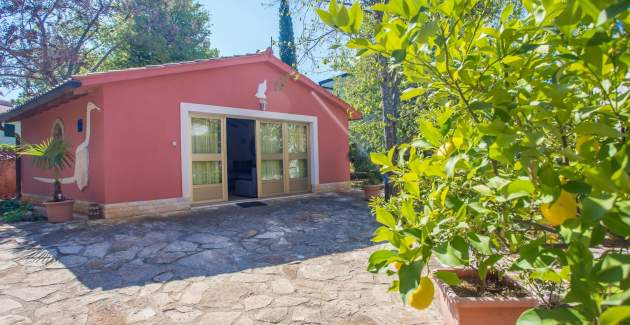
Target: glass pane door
283, 157
298, 153
208, 158
270, 139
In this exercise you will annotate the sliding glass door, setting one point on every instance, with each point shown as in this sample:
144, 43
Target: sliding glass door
270, 156
209, 173
282, 157
299, 167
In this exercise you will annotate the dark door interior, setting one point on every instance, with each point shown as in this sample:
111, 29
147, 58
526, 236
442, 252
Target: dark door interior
241, 158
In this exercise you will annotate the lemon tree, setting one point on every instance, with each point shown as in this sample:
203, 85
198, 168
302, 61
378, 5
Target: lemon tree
524, 165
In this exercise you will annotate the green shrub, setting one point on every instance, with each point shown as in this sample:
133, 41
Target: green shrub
525, 166
16, 211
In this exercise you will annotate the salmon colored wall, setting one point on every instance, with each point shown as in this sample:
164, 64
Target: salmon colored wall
143, 120
38, 127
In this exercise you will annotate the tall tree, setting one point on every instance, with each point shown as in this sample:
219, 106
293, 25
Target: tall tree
287, 40
162, 31
44, 42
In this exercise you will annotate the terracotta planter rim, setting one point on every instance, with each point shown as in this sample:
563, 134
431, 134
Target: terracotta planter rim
483, 302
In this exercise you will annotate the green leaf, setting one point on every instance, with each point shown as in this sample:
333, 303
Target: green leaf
410, 93
384, 217
618, 224
447, 7
431, 133
342, 18
480, 243
380, 159
612, 11
383, 234
615, 267
453, 253
358, 43
593, 209
548, 176
577, 187
451, 163
325, 17
379, 259
601, 129
551, 316
519, 188
483, 190
408, 211
409, 276
357, 17
615, 315
487, 264
448, 277
507, 11
622, 298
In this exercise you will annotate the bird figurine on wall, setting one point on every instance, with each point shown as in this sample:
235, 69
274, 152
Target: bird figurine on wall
81, 157
261, 95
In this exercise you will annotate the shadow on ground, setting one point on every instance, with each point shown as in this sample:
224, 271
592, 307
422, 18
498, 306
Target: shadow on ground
112, 254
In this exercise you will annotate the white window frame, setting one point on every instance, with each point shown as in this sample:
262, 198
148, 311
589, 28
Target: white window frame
187, 108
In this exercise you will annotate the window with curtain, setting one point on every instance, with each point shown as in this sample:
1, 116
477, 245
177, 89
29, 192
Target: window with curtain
206, 172
206, 136
271, 170
298, 168
271, 138
297, 138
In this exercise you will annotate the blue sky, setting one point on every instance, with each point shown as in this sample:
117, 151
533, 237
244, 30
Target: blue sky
243, 26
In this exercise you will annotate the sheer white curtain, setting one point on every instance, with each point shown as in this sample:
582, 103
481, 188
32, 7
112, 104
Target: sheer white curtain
206, 139
271, 143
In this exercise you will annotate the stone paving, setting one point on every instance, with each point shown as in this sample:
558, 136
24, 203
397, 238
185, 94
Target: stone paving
297, 260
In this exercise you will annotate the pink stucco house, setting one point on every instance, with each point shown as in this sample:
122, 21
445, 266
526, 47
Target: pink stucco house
167, 137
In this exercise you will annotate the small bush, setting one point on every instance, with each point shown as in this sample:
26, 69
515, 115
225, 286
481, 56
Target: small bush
16, 211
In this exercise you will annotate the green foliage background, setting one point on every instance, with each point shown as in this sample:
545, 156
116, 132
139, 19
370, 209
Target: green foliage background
161, 31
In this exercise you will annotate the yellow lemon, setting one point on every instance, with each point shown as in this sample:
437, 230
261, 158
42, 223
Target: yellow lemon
445, 150
422, 297
564, 208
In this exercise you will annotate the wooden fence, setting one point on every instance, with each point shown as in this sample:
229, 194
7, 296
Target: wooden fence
7, 175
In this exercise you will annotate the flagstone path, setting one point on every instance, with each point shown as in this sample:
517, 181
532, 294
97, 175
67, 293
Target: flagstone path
295, 261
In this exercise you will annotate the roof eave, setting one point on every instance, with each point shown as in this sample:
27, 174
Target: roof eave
32, 105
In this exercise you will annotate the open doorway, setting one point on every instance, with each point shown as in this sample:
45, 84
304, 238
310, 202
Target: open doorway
241, 159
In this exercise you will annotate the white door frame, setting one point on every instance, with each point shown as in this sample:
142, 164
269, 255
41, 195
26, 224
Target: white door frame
187, 108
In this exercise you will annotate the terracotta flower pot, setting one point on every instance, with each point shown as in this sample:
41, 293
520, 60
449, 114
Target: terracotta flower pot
59, 211
372, 191
478, 310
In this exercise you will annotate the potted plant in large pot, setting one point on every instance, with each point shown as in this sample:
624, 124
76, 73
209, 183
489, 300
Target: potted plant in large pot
519, 170
53, 155
373, 185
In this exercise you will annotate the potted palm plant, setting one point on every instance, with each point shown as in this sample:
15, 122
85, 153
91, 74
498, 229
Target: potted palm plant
53, 155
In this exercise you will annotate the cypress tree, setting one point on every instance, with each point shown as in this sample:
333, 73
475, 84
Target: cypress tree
287, 41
